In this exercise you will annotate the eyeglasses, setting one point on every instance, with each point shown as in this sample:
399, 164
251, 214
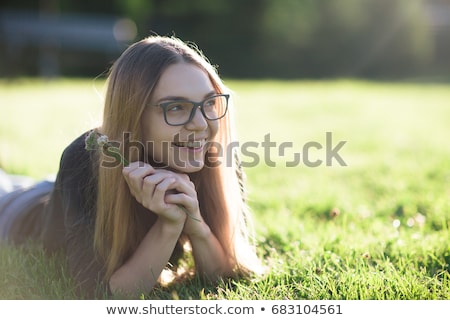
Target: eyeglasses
180, 112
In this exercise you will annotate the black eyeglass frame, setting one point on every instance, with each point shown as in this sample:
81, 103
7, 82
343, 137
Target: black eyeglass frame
196, 105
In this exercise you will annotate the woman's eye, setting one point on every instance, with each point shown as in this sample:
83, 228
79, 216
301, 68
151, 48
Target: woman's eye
210, 103
176, 107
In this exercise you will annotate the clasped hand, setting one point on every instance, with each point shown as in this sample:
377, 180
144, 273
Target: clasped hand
163, 192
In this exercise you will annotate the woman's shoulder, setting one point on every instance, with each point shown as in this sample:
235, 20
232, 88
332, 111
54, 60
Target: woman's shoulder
78, 146
76, 164
75, 155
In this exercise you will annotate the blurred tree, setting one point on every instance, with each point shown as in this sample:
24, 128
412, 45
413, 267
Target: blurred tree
395, 40
351, 38
289, 38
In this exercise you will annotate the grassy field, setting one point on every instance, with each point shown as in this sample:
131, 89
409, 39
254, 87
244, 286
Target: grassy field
376, 228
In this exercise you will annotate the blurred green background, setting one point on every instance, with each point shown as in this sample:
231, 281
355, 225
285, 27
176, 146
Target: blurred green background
382, 39
375, 73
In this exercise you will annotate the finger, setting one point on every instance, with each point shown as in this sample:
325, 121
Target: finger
134, 175
186, 187
159, 193
183, 184
179, 199
138, 167
135, 164
182, 176
187, 204
151, 181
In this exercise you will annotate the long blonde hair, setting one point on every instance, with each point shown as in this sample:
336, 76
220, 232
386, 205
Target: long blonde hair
121, 222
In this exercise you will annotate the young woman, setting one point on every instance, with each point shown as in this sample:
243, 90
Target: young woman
179, 193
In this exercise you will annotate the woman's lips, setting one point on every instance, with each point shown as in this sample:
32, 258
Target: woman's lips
196, 145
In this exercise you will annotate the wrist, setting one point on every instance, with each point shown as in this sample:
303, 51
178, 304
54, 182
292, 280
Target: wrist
201, 232
170, 226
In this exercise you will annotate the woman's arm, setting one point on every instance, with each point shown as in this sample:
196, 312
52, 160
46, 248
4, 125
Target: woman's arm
210, 258
142, 270
209, 255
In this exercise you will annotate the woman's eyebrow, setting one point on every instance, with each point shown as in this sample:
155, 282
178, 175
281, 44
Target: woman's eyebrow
209, 94
181, 98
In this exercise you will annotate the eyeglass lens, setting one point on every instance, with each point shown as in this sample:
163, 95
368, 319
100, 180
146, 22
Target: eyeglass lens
179, 112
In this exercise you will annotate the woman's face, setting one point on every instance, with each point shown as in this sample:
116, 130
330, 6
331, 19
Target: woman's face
183, 147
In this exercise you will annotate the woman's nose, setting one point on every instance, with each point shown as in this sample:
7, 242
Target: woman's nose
198, 122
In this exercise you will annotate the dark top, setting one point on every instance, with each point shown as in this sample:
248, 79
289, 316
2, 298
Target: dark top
69, 217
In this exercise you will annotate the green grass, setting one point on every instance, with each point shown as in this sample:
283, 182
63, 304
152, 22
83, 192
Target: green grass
377, 228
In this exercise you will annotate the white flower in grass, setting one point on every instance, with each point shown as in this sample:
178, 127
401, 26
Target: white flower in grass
102, 141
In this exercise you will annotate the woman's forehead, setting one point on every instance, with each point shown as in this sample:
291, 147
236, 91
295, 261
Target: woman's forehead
183, 80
